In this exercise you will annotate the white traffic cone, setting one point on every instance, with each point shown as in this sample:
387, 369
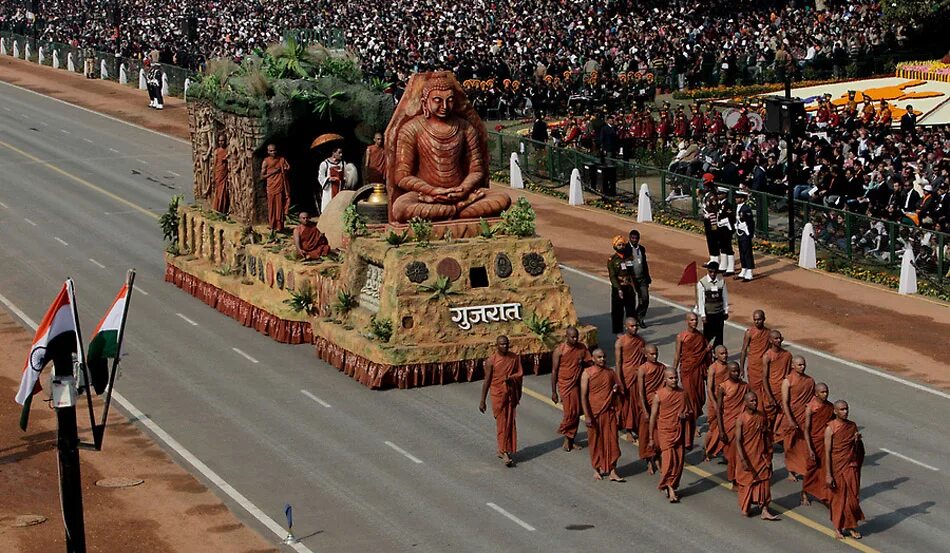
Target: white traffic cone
516, 180
575, 195
908, 283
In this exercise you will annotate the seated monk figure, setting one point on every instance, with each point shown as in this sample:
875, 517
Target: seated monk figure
309, 241
437, 158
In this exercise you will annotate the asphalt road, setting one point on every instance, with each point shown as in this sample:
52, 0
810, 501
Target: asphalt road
398, 470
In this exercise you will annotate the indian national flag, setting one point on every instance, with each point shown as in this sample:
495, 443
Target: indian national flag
55, 340
105, 341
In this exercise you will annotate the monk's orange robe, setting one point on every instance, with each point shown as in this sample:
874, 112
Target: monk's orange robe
754, 484
671, 436
569, 386
847, 456
821, 414
780, 364
758, 345
375, 169
694, 359
733, 400
714, 442
631, 350
275, 173
222, 199
801, 390
652, 380
313, 243
602, 434
505, 391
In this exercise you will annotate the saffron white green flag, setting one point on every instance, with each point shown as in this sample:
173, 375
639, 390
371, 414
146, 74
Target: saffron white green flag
55, 339
105, 341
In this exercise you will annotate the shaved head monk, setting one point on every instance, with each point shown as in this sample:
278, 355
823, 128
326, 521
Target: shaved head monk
730, 400
309, 241
503, 376
692, 360
776, 364
755, 342
754, 453
628, 353
797, 390
818, 413
567, 362
844, 455
668, 416
275, 172
716, 374
599, 384
649, 380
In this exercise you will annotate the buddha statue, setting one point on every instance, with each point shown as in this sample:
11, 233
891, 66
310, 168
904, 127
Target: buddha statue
437, 156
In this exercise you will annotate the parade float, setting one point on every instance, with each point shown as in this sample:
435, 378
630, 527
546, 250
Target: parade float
426, 270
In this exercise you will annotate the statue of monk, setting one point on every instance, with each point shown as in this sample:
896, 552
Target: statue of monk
437, 157
221, 201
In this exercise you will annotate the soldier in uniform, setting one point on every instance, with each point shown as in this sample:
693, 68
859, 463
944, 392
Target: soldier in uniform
726, 224
712, 303
623, 295
710, 210
745, 225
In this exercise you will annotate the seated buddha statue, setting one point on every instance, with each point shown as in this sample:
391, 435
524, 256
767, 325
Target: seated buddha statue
437, 167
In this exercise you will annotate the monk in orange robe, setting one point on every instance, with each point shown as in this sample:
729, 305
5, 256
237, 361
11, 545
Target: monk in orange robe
374, 166
692, 360
275, 173
717, 373
503, 376
844, 455
309, 241
222, 199
567, 362
649, 380
776, 364
818, 413
754, 453
599, 383
797, 390
755, 342
668, 418
628, 353
730, 399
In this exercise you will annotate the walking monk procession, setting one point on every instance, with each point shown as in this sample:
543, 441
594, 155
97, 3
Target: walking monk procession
753, 407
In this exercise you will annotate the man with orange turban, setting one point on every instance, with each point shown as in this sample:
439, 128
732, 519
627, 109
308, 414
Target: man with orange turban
623, 296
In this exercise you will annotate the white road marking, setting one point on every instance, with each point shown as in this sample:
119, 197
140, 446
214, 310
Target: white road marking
29, 221
172, 173
25, 116
113, 150
315, 398
5, 108
142, 161
165, 437
906, 458
246, 356
404, 453
87, 110
64, 131
44, 123
87, 140
187, 320
60, 240
139, 290
96, 263
3, 205
511, 517
806, 349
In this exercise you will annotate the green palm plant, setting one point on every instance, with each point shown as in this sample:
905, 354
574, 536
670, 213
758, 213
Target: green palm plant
441, 288
325, 105
289, 59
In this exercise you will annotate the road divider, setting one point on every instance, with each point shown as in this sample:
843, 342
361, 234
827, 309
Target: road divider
511, 517
909, 459
96, 263
315, 398
60, 240
246, 356
187, 320
404, 453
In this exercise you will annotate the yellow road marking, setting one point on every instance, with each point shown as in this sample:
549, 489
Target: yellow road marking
790, 513
80, 180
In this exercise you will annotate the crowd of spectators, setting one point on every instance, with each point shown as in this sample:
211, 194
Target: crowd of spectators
597, 51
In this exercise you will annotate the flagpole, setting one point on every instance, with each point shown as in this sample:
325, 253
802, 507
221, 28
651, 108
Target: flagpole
67, 444
81, 354
98, 431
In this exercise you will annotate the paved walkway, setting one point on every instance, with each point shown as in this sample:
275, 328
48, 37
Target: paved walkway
850, 319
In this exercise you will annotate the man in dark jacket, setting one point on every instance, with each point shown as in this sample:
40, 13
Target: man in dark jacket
641, 276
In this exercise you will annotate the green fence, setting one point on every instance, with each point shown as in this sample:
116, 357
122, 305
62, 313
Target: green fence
176, 76
842, 237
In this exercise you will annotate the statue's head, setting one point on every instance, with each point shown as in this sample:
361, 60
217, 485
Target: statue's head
438, 98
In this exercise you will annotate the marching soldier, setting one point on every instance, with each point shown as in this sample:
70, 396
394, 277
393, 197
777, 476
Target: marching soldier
745, 225
710, 210
726, 223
